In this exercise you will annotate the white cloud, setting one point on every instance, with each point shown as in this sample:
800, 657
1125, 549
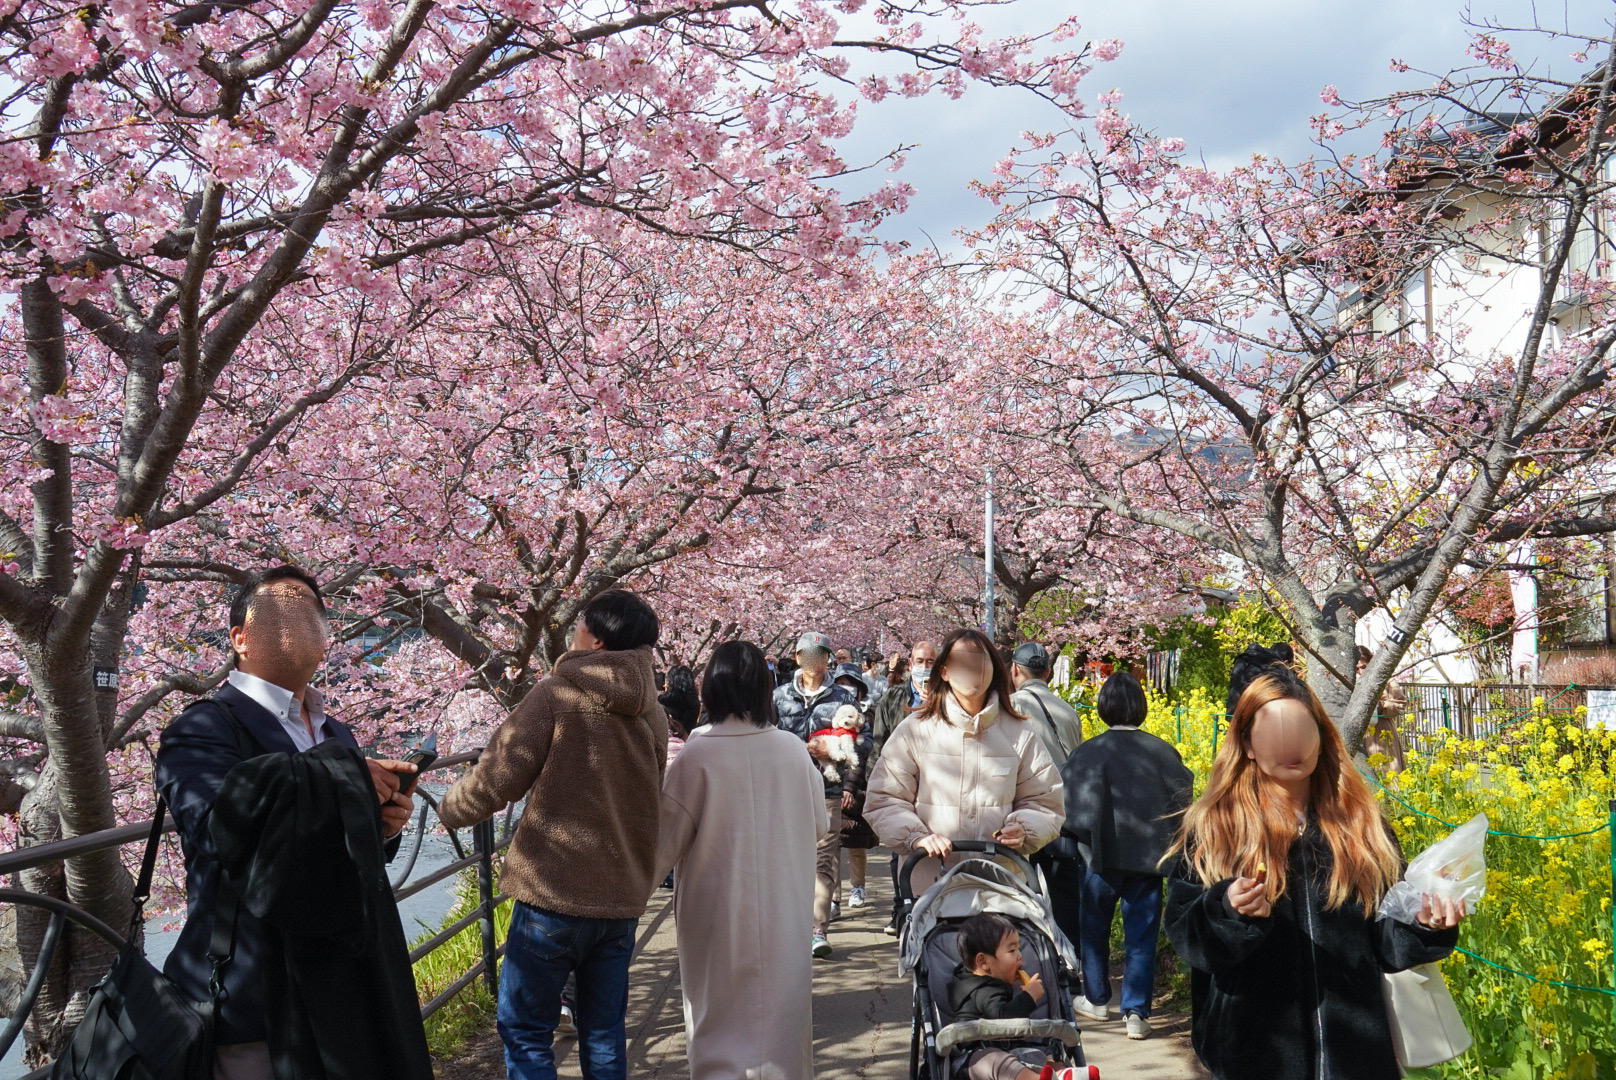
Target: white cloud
1231, 78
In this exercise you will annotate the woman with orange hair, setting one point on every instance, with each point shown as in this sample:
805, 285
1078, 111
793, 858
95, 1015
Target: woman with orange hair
1280, 868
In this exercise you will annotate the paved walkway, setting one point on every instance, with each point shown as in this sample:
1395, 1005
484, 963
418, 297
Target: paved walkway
861, 1012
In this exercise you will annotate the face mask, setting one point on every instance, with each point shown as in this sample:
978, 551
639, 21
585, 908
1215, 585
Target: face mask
919, 675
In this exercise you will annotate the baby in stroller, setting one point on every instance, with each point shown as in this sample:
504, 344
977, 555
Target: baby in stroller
990, 984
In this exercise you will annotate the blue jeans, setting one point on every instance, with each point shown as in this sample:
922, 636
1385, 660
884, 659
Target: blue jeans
1141, 896
542, 951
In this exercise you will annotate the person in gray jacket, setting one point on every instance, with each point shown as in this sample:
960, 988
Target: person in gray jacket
1060, 730
803, 706
1051, 716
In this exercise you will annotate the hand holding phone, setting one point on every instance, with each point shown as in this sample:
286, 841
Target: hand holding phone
423, 755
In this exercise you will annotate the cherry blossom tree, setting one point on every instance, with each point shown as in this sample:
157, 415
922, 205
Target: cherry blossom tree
179, 179
1345, 377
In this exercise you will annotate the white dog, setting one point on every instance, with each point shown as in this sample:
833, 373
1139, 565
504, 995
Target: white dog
839, 742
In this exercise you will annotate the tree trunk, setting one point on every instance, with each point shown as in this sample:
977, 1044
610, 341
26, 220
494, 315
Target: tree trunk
72, 798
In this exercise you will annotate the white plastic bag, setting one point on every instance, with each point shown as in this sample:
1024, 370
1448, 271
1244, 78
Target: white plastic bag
1453, 868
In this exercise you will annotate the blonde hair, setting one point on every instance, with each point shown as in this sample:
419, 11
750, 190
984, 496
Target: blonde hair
1243, 820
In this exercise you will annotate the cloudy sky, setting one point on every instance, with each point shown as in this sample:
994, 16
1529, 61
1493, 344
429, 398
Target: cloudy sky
1230, 77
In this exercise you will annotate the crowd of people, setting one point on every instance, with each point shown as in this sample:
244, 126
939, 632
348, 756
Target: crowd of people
738, 788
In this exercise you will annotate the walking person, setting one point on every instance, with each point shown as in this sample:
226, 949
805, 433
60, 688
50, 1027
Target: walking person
906, 692
803, 706
285, 830
875, 675
1057, 724
587, 748
741, 811
1051, 715
1384, 736
1285, 859
964, 766
857, 836
1125, 793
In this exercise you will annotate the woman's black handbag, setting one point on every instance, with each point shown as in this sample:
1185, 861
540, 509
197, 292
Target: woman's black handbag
139, 1025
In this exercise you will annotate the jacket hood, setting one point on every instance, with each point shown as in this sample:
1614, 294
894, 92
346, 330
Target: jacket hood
955, 714
621, 681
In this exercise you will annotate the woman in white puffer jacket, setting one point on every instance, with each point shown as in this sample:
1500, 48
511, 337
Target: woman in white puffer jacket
964, 766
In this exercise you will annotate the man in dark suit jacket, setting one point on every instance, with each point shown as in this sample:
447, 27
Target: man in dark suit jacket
279, 634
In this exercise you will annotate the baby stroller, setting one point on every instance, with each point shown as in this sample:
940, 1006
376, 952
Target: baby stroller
938, 1046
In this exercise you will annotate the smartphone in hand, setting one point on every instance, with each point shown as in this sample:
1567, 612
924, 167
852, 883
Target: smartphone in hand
423, 755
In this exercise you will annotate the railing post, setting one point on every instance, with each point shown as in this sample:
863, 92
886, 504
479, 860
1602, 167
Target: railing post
482, 838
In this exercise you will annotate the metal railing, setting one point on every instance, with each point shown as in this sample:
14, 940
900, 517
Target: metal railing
1478, 710
484, 846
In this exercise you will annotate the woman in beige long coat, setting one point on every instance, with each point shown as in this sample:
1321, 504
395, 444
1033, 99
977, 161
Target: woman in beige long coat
964, 766
743, 809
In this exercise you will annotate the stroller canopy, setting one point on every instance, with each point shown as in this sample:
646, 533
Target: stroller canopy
973, 886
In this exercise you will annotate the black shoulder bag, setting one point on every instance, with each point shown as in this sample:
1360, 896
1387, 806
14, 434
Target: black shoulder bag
138, 1024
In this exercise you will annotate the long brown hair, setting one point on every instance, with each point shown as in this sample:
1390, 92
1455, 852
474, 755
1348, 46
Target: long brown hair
1243, 820
937, 690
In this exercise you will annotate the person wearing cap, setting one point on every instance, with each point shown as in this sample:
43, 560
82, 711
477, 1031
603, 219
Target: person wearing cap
1055, 721
1060, 730
803, 706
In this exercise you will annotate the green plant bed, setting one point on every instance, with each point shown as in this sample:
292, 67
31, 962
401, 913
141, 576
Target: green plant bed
473, 1008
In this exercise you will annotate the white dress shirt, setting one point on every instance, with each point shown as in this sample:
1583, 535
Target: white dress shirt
283, 707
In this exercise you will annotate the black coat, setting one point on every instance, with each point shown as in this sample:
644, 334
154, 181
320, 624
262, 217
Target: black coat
196, 751
982, 997
300, 837
1125, 791
856, 832
1297, 995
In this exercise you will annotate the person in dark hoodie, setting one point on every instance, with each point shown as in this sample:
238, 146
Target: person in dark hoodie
681, 702
587, 748
990, 985
285, 829
1125, 790
1253, 661
1282, 866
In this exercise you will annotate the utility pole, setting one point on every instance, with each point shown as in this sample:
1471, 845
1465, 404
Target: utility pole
987, 562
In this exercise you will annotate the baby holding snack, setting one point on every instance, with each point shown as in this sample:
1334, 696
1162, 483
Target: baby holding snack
990, 985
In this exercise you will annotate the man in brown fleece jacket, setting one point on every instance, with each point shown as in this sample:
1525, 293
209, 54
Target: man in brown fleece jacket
587, 748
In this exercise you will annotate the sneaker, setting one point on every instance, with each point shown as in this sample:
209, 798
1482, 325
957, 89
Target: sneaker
566, 1027
1138, 1027
835, 910
1091, 1009
857, 899
891, 928
821, 947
